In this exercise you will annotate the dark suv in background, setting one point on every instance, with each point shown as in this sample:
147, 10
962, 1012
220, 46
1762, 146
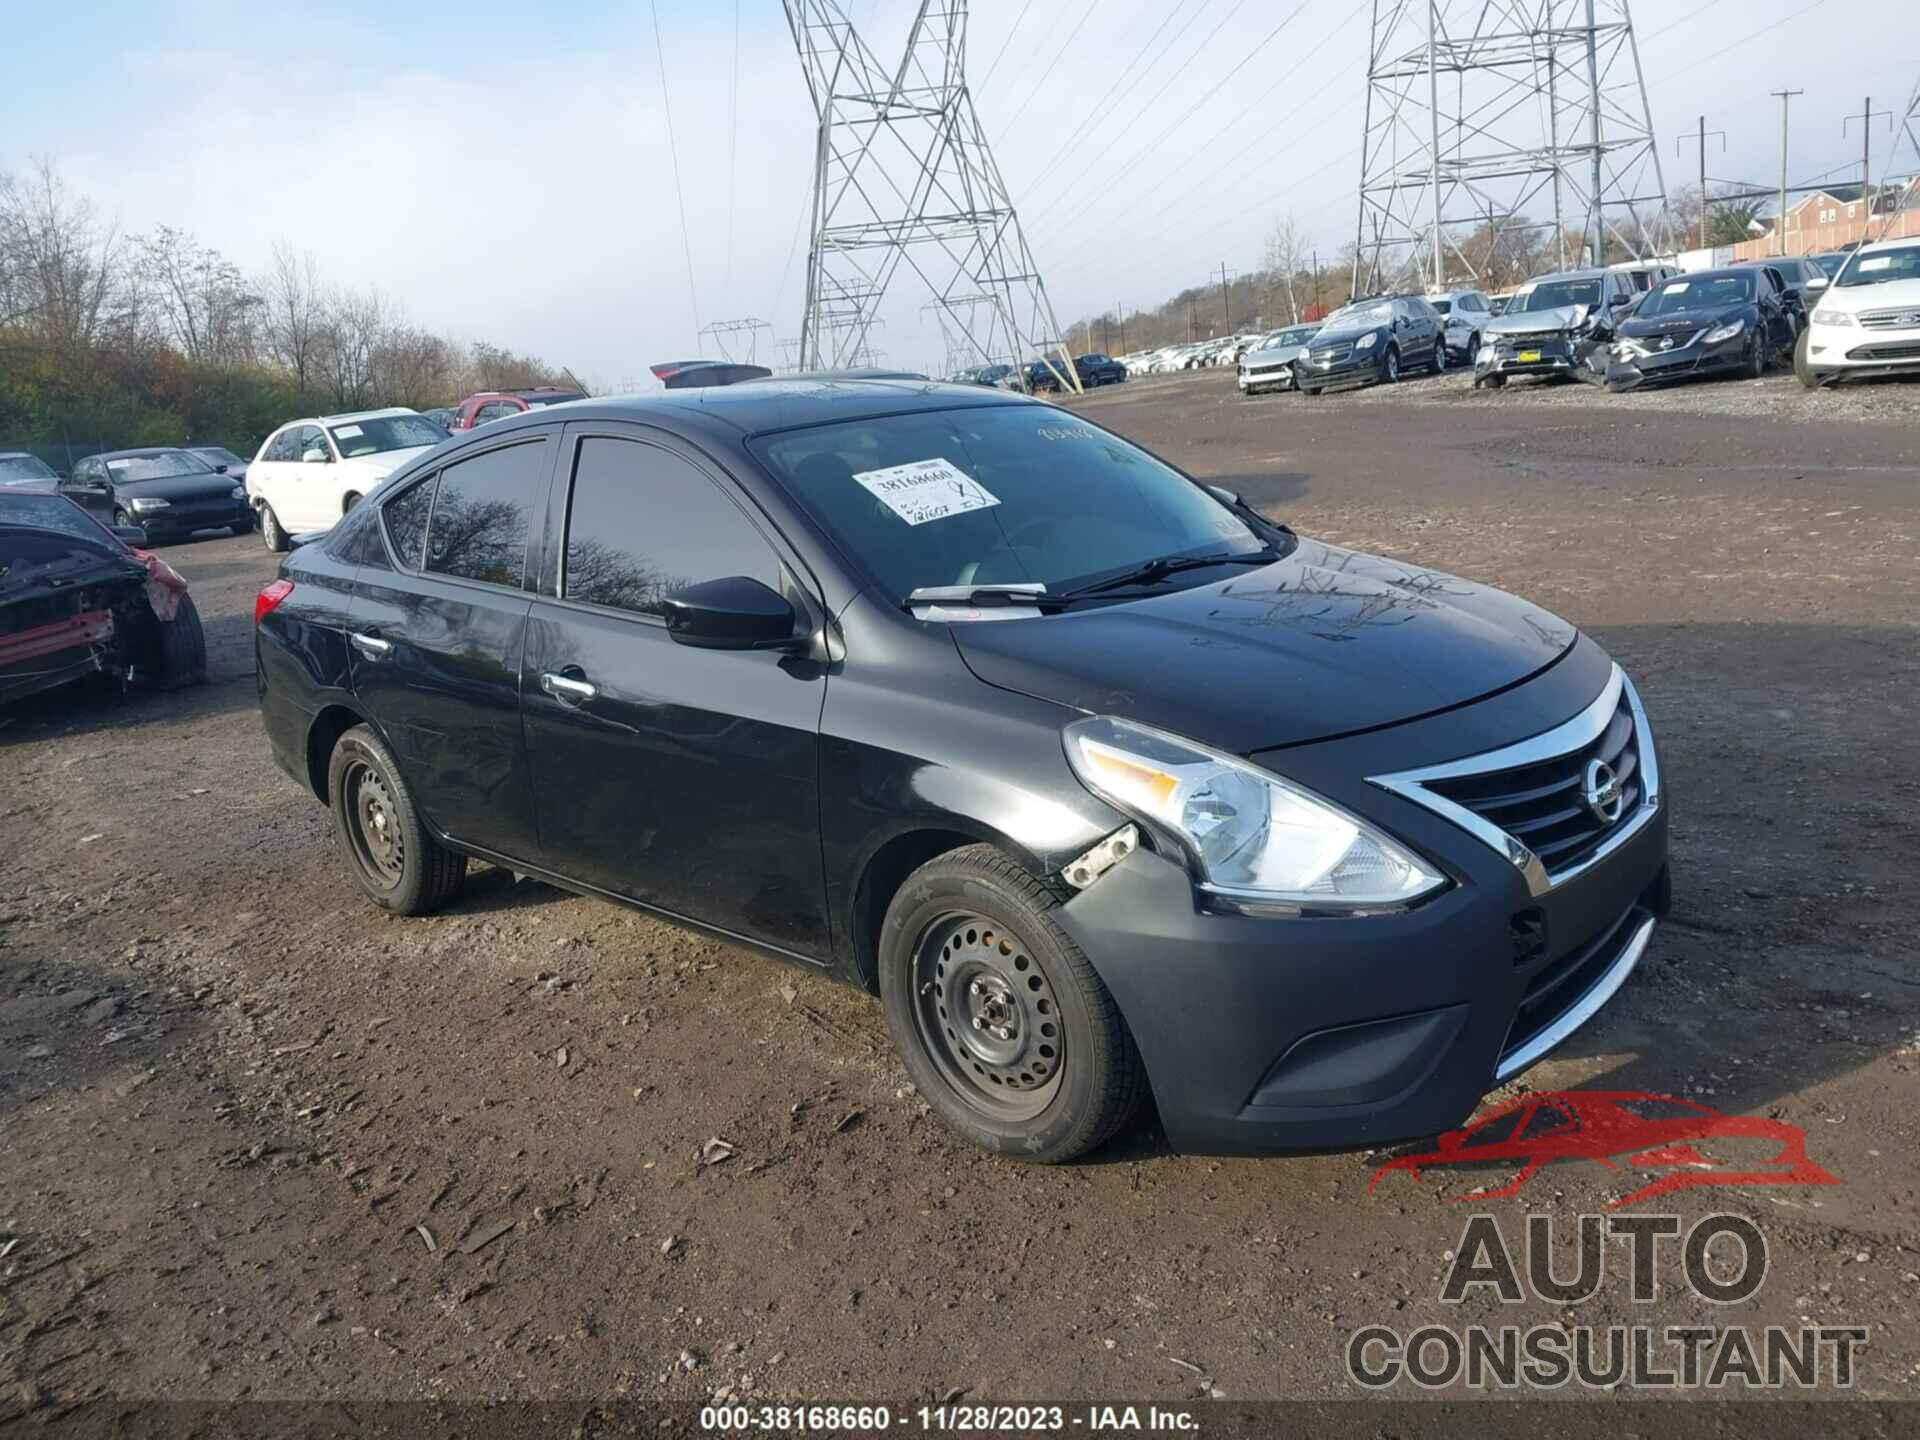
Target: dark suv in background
1373, 341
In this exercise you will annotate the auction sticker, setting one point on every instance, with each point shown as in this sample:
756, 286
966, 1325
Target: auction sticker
926, 490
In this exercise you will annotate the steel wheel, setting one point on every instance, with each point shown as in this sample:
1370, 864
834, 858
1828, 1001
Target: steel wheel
373, 825
987, 1016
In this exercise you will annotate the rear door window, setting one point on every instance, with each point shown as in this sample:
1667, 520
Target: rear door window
643, 522
479, 524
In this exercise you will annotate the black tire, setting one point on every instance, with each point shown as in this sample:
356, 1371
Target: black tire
348, 501
1495, 382
121, 517
1072, 1074
1390, 366
271, 531
183, 648
1438, 366
394, 857
1756, 366
1802, 367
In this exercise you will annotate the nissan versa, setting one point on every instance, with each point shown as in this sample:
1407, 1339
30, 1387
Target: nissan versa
1107, 786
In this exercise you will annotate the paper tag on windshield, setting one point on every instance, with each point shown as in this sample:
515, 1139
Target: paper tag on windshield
926, 490
1679, 287
1877, 262
347, 432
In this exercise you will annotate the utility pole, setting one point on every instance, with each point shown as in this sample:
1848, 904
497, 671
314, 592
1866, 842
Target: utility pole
1316, 278
1599, 150
1702, 137
1867, 116
1780, 225
1120, 314
1226, 301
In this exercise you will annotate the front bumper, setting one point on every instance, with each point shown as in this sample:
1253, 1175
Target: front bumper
1362, 366
1266, 1034
1556, 355
1259, 382
1694, 358
1855, 351
177, 521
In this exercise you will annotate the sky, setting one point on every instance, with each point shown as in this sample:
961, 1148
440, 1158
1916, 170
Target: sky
516, 172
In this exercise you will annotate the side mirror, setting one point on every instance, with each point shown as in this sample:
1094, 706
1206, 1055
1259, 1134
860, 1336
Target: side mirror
219, 469
130, 534
316, 457
737, 613
1817, 283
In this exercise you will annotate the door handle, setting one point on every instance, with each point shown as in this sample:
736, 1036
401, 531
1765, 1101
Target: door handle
566, 689
372, 646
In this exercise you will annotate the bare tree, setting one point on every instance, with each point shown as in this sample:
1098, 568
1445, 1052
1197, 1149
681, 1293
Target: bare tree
68, 276
294, 314
205, 308
413, 367
353, 325
1286, 252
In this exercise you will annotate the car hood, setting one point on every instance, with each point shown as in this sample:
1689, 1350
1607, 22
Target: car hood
384, 463
1679, 322
1341, 337
1275, 355
1889, 295
176, 487
1537, 322
1322, 643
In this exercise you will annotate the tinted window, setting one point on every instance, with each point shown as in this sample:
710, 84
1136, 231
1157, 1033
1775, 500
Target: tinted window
498, 410
643, 523
406, 517
23, 467
479, 525
280, 447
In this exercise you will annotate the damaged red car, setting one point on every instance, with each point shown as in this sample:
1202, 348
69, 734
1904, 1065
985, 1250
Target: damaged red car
80, 601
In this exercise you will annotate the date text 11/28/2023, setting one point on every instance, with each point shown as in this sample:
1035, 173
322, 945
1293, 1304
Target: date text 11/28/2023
945, 1419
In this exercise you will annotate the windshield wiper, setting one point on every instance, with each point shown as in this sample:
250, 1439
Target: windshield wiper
1024, 592
1163, 566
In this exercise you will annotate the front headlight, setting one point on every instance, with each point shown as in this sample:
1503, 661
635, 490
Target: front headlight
1247, 833
147, 504
1486, 355
1832, 317
1367, 341
1724, 333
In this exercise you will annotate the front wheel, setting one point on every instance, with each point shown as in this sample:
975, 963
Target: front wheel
183, 647
271, 534
1390, 366
387, 846
1756, 366
1000, 1018
1495, 382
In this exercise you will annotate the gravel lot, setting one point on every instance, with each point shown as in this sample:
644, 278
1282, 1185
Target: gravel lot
258, 1140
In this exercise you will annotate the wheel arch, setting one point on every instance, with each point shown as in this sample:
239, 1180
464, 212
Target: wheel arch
887, 869
322, 735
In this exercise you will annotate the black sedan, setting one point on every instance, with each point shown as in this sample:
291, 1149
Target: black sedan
724, 657
1709, 322
170, 493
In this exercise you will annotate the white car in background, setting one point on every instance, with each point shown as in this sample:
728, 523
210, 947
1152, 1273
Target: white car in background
1866, 321
1269, 364
311, 472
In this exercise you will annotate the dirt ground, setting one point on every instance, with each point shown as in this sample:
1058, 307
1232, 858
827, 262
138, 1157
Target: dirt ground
260, 1141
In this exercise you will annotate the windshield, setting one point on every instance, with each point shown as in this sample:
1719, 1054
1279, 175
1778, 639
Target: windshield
1715, 293
218, 455
1445, 307
1879, 269
53, 512
1555, 293
388, 432
24, 467
159, 466
1360, 317
1001, 494
1297, 335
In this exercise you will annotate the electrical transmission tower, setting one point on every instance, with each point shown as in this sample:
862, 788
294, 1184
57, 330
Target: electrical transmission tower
903, 175
1501, 117
738, 341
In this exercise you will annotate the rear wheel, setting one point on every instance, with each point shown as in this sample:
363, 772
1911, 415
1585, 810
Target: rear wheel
183, 647
1004, 1025
1439, 366
387, 846
270, 532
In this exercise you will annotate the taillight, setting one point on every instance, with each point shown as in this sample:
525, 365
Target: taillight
267, 599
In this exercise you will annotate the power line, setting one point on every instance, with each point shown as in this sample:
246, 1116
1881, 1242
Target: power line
1004, 44
1245, 60
1095, 113
1694, 68
680, 199
1040, 84
1676, 24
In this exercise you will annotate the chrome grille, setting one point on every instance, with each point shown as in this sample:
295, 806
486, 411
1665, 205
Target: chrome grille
1544, 806
1903, 319
1331, 354
1530, 801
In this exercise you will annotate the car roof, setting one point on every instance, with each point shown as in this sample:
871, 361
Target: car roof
1568, 275
139, 452
782, 403
362, 415
1879, 245
1720, 272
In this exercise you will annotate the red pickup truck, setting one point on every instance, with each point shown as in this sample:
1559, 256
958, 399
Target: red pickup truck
487, 405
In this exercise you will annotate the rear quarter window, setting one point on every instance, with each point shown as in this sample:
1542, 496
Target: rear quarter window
406, 519
481, 514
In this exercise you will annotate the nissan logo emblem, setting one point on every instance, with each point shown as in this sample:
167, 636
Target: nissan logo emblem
1604, 794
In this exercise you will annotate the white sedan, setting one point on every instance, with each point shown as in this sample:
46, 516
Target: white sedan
311, 472
1867, 321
